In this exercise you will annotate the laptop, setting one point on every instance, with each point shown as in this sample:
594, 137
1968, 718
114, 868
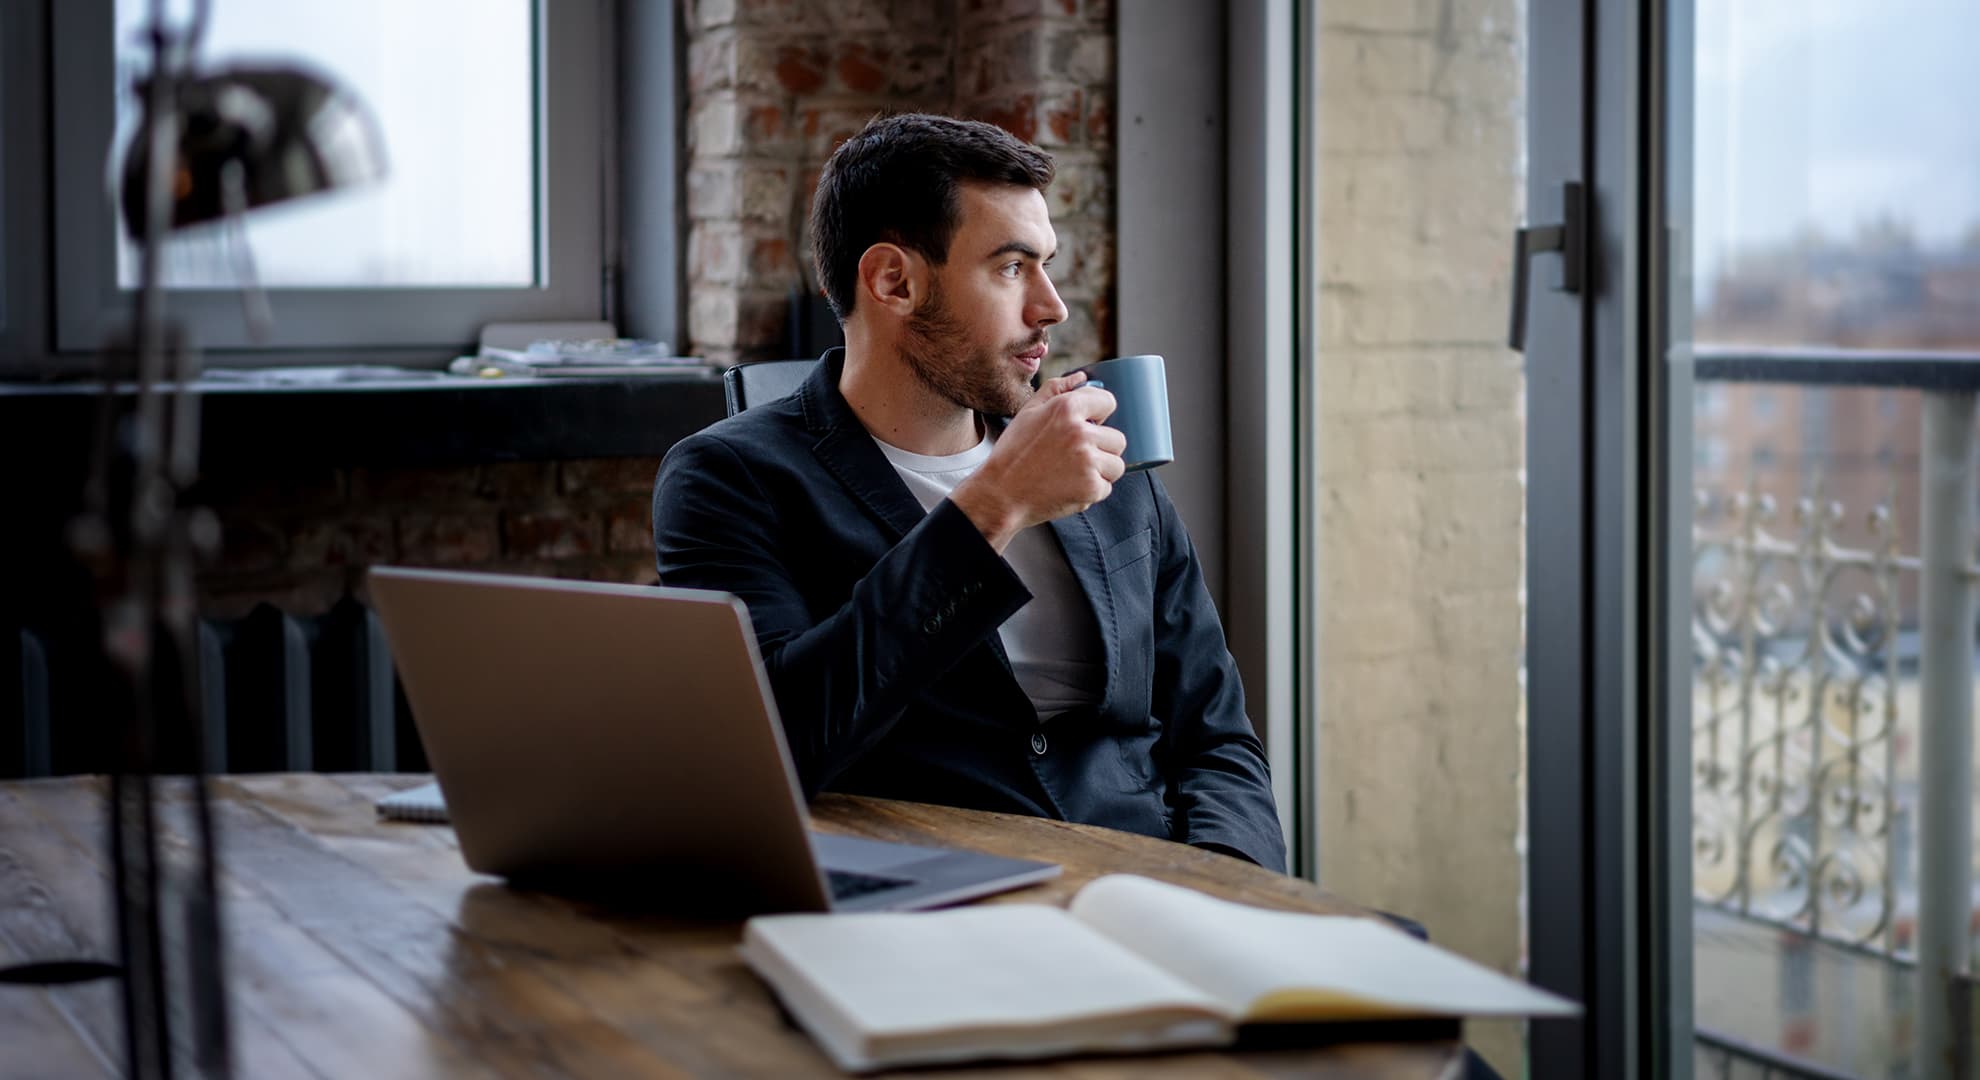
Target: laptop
622, 737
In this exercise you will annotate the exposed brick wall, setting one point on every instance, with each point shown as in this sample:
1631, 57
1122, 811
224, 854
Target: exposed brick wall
775, 85
1044, 71
301, 539
1421, 156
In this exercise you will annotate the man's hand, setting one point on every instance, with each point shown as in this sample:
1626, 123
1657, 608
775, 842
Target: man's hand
1054, 459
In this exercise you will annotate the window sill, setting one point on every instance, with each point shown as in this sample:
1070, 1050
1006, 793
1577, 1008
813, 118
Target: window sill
388, 423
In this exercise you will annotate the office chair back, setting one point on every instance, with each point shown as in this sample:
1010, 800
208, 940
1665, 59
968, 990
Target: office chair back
748, 385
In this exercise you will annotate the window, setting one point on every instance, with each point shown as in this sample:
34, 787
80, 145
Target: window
1837, 175
457, 204
23, 206
493, 117
1712, 454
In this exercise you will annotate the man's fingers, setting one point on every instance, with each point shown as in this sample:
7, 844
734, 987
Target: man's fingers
1052, 388
1109, 439
1090, 403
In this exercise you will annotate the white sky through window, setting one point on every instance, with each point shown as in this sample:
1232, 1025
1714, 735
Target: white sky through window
450, 83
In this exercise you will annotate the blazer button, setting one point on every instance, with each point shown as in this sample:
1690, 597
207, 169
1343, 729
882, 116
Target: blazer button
1038, 743
933, 624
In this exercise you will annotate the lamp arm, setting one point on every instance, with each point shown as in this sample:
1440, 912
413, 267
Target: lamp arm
202, 14
254, 299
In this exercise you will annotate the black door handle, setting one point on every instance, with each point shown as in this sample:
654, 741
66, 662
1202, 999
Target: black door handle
1569, 238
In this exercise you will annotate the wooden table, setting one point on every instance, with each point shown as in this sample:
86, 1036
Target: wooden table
358, 948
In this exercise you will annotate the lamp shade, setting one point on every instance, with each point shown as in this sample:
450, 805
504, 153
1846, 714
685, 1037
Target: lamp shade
294, 133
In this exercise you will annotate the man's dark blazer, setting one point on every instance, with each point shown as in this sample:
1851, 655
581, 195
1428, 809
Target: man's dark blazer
878, 624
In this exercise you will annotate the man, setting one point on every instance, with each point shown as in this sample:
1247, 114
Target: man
959, 596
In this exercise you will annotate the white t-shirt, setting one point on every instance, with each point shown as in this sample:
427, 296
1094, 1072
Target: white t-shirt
1052, 641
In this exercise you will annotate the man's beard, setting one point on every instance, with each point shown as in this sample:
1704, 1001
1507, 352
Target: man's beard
937, 349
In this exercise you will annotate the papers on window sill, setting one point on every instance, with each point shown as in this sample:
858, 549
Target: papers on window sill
318, 375
587, 358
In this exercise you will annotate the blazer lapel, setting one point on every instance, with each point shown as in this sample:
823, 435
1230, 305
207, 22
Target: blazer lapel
865, 471
1082, 546
848, 452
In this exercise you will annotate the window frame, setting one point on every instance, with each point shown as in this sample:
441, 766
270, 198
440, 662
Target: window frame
573, 89
23, 228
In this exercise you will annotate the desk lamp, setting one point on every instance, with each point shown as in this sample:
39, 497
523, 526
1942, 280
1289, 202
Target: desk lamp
209, 147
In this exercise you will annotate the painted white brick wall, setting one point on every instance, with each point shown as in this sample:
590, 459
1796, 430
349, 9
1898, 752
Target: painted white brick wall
1421, 433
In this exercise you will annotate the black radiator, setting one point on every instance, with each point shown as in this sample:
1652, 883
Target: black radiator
280, 693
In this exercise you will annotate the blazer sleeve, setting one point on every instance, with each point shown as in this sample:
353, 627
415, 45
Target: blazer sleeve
1220, 784
843, 680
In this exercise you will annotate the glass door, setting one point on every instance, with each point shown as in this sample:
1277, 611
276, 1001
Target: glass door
1752, 334
1822, 300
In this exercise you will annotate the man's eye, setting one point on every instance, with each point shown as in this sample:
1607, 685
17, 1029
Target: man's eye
1010, 270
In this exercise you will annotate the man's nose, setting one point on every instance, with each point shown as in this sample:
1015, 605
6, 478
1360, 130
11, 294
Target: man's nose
1046, 307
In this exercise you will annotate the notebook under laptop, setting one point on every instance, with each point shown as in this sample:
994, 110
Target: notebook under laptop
594, 734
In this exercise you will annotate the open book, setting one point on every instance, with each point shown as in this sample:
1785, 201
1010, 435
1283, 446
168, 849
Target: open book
1132, 964
422, 803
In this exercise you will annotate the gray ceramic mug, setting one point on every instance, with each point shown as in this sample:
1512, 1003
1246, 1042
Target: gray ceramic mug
1141, 410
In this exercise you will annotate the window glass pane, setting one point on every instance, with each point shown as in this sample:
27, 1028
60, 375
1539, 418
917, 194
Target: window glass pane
450, 82
1834, 191
1806, 714
1837, 177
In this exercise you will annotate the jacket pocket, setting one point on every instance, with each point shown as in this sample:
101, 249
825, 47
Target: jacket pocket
1129, 551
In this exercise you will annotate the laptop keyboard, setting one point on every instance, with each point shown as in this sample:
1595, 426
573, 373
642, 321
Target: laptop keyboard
845, 884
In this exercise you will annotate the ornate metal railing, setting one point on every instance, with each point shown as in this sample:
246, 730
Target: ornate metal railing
1723, 1057
1796, 795
1803, 811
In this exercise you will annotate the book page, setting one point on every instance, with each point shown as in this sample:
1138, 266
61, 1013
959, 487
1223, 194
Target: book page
1271, 965
422, 803
1012, 979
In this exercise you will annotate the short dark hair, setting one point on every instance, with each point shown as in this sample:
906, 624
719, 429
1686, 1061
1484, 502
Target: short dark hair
898, 182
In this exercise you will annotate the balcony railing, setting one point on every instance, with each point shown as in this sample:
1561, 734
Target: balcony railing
1796, 794
1722, 1057
1807, 680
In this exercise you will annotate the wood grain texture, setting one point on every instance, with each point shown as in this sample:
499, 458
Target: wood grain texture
362, 948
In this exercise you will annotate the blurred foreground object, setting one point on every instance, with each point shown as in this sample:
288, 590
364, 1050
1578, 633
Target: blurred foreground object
207, 148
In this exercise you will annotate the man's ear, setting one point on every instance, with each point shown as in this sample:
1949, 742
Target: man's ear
892, 279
